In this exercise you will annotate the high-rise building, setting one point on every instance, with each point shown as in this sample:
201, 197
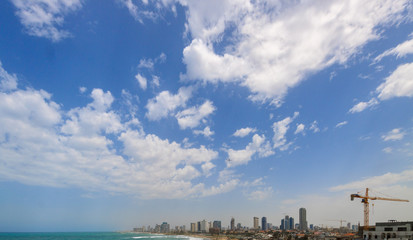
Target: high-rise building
165, 227
203, 226
287, 223
217, 224
291, 223
282, 226
303, 219
232, 224
264, 223
256, 226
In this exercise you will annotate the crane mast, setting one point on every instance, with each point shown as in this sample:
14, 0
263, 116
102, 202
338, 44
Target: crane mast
365, 200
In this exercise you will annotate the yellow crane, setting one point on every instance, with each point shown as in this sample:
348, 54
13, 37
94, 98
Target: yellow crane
365, 199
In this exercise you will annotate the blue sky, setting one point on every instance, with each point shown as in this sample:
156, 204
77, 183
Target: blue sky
116, 114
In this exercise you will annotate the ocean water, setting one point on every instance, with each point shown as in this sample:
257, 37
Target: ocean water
91, 236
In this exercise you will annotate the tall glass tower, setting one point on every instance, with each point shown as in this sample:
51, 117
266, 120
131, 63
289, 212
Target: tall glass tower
303, 219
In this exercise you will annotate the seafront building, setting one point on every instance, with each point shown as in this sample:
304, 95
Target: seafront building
217, 224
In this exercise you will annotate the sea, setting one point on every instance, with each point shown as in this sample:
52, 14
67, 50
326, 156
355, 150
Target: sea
92, 236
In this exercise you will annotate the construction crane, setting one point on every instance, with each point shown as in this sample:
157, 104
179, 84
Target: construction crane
365, 199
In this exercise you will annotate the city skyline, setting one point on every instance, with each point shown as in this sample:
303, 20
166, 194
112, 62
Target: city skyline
120, 113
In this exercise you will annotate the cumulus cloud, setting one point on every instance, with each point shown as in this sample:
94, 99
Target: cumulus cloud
96, 149
142, 81
166, 103
280, 129
43, 18
206, 132
400, 50
192, 117
140, 10
244, 132
272, 51
258, 146
300, 129
398, 84
393, 135
7, 81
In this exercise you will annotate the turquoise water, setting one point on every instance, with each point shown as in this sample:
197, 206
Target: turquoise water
90, 236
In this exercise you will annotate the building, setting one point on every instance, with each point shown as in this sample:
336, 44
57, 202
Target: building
193, 227
391, 230
287, 223
291, 223
264, 223
256, 226
217, 224
232, 224
303, 219
165, 228
282, 226
203, 226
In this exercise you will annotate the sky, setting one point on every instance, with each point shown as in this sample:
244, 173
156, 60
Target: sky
118, 114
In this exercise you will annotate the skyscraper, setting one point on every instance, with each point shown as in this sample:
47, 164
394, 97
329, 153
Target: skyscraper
217, 224
303, 219
291, 223
256, 226
232, 224
264, 223
287, 223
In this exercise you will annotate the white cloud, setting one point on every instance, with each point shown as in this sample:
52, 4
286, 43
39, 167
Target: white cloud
191, 117
7, 81
165, 103
222, 188
393, 135
142, 81
260, 194
94, 149
340, 124
141, 11
244, 132
300, 129
42, 18
146, 63
271, 51
400, 50
386, 179
398, 84
155, 81
387, 149
206, 132
361, 106
314, 127
82, 89
258, 145
280, 129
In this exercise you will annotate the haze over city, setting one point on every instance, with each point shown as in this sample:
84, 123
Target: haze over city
125, 113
